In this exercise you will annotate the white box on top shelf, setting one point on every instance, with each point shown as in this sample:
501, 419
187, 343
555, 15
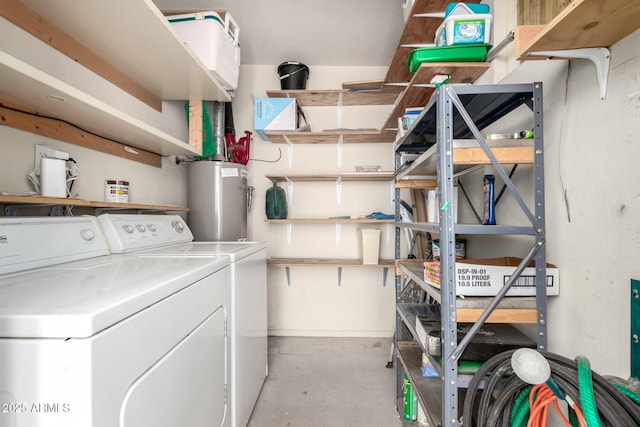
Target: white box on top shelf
215, 42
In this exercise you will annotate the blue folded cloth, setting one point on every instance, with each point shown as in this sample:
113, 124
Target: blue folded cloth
380, 215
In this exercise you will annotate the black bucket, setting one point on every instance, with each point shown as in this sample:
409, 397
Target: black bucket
293, 75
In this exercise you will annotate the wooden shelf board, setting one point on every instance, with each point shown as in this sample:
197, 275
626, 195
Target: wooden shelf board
329, 221
331, 98
416, 30
417, 183
582, 24
348, 137
465, 157
42, 200
173, 72
70, 201
368, 85
353, 176
326, 262
416, 96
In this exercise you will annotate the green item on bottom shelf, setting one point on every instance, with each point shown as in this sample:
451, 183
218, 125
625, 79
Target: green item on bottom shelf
410, 407
454, 53
466, 366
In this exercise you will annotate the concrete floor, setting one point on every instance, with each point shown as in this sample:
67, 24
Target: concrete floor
327, 382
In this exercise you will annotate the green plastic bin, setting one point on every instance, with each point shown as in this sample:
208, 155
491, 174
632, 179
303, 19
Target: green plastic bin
456, 53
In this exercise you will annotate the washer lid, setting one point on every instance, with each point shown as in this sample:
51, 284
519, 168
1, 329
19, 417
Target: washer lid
235, 250
79, 299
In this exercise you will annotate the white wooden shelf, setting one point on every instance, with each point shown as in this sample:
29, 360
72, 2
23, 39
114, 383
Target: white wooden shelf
133, 37
137, 38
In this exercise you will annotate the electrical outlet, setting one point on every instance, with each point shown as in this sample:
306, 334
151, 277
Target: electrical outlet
46, 151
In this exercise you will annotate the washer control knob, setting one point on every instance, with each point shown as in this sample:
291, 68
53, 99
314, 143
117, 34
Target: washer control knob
87, 235
128, 228
179, 227
152, 228
141, 228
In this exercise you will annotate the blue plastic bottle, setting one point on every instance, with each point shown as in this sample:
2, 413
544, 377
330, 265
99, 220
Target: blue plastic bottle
489, 216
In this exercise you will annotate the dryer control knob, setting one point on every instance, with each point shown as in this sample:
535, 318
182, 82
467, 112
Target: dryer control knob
141, 228
178, 226
128, 228
152, 227
87, 235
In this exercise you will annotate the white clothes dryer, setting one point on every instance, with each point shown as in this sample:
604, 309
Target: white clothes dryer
108, 340
248, 304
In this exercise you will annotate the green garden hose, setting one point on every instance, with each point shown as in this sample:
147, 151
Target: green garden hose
520, 409
587, 399
630, 394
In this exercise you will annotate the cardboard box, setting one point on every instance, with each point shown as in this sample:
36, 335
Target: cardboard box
485, 277
274, 114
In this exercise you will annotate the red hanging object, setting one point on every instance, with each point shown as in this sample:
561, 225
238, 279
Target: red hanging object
238, 152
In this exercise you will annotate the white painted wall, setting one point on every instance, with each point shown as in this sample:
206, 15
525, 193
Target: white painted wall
314, 304
147, 184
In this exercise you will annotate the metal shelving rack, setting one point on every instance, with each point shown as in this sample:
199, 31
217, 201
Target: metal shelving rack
458, 112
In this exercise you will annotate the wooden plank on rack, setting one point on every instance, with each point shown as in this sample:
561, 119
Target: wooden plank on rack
400, 272
21, 16
470, 315
29, 121
417, 183
195, 124
506, 155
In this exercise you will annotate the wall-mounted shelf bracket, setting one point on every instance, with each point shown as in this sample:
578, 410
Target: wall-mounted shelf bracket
287, 272
340, 149
338, 231
339, 190
600, 56
289, 194
339, 276
289, 150
289, 232
385, 272
339, 110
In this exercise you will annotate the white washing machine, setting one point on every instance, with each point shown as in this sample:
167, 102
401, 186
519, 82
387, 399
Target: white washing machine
95, 340
248, 312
